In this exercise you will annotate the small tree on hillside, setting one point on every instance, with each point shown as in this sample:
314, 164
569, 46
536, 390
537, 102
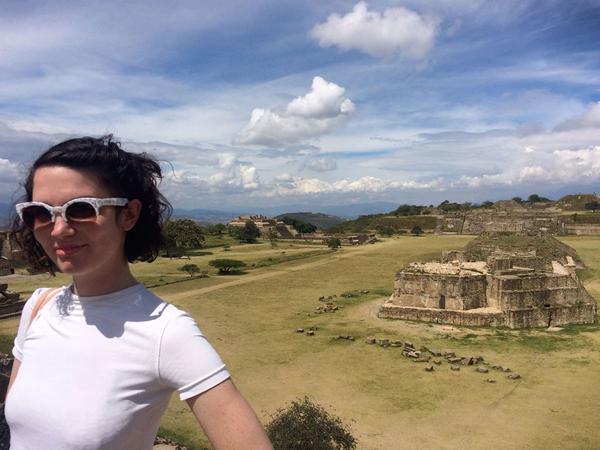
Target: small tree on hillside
592, 206
417, 230
306, 425
272, 237
334, 243
249, 233
227, 266
190, 269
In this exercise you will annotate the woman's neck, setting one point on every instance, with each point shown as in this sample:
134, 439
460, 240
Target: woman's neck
101, 284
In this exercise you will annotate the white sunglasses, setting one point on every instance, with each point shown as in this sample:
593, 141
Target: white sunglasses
85, 209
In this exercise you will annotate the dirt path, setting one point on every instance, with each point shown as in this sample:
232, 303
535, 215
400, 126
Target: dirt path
347, 253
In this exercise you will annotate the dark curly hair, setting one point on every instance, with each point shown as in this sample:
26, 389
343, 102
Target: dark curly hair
124, 174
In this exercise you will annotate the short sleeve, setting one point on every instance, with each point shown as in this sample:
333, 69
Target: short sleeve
186, 360
17, 350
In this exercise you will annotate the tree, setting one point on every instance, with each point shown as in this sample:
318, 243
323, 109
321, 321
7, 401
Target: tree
249, 233
226, 266
190, 269
386, 230
307, 425
593, 205
517, 199
217, 229
299, 226
416, 230
334, 243
183, 234
487, 204
272, 237
534, 198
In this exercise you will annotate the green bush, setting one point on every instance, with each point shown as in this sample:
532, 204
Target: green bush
305, 425
227, 266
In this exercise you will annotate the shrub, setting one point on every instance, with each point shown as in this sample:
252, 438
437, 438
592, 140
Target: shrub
227, 266
190, 269
334, 243
306, 425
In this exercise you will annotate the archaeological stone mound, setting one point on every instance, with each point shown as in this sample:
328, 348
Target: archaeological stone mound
495, 282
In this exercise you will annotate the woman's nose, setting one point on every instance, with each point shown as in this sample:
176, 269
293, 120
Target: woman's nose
61, 227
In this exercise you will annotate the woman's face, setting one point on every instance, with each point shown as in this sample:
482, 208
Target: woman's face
86, 250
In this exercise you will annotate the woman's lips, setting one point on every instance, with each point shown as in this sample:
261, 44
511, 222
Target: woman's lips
67, 250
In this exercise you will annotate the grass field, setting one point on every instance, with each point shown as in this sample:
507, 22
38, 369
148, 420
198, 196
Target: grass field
389, 402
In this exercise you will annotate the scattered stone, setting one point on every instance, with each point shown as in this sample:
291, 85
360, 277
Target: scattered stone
313, 328
496, 367
422, 359
300, 330
310, 333
409, 344
448, 354
466, 361
455, 368
477, 359
395, 344
322, 298
437, 362
435, 353
365, 291
429, 369
384, 342
514, 376
454, 360
412, 354
424, 349
506, 369
482, 370
489, 380
371, 340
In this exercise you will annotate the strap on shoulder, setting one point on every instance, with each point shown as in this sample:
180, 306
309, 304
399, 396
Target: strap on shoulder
44, 298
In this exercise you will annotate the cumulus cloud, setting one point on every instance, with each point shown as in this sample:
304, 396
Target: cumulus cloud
9, 171
289, 185
321, 110
397, 32
560, 167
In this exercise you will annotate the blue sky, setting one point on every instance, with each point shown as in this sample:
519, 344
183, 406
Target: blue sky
271, 103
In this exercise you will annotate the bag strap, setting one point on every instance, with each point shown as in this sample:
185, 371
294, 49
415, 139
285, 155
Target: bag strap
42, 300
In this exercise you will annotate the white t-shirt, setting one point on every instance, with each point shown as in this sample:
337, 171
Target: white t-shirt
98, 372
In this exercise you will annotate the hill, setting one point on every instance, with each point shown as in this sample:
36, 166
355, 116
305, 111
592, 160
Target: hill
381, 221
319, 220
576, 202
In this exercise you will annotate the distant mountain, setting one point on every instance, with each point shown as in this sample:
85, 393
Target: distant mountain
322, 221
205, 216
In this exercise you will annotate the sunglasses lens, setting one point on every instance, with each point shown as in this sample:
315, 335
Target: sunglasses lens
81, 211
36, 216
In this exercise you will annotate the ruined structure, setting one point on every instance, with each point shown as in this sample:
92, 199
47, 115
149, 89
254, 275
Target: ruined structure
265, 225
10, 302
513, 290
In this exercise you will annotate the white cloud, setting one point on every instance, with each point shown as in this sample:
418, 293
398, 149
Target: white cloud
560, 167
324, 164
9, 171
321, 110
589, 119
397, 32
290, 185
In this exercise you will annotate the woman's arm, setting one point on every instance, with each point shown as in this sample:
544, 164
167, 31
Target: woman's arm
228, 420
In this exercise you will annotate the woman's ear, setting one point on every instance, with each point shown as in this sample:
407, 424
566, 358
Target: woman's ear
130, 214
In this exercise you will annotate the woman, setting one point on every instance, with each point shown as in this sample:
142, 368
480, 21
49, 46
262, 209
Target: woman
96, 365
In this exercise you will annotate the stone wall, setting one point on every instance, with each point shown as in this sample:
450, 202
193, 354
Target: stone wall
465, 318
544, 317
442, 291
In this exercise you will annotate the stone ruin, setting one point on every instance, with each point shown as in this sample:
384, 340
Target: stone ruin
514, 290
10, 302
